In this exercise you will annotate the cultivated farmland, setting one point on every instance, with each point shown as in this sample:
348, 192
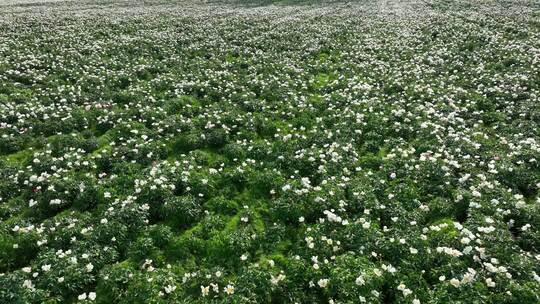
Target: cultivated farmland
270, 151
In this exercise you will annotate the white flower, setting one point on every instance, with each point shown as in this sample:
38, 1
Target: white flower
215, 287
46, 268
28, 284
243, 257
360, 281
322, 283
89, 267
276, 280
170, 288
305, 182
205, 290
332, 217
536, 277
416, 301
229, 289
92, 296
82, 296
455, 282
55, 202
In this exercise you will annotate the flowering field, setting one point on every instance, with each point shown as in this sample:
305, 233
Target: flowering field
270, 151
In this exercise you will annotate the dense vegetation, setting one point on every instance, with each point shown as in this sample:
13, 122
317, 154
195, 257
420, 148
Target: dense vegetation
250, 152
